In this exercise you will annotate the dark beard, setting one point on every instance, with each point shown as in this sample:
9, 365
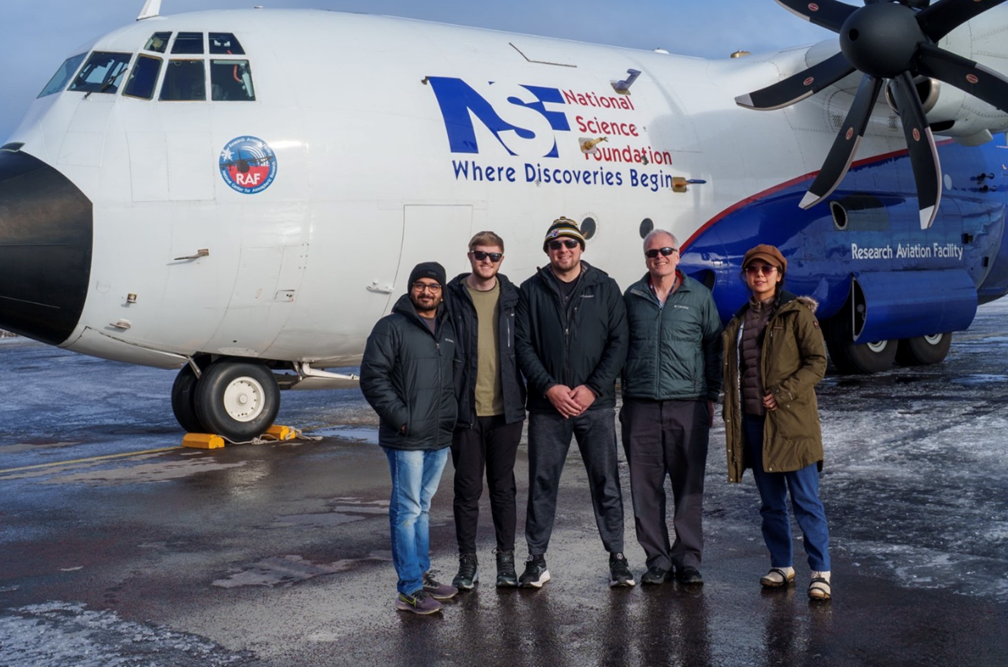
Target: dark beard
420, 308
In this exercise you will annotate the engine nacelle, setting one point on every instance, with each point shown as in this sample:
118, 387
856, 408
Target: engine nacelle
952, 112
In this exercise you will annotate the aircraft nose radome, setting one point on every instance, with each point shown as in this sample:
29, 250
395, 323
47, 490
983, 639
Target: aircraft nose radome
46, 229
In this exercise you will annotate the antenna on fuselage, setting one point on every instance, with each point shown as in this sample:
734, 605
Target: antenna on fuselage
150, 9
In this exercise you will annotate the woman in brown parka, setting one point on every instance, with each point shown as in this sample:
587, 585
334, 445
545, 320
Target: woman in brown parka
774, 356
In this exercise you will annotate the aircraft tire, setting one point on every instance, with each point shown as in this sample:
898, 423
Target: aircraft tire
183, 400
851, 358
237, 400
923, 350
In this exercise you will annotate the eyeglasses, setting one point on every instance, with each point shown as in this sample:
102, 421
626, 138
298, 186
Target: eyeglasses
479, 256
570, 244
765, 269
666, 251
433, 288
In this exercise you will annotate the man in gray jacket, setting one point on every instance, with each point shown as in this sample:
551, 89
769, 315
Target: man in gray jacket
670, 382
407, 377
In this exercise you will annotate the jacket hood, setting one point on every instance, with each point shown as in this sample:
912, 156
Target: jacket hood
786, 298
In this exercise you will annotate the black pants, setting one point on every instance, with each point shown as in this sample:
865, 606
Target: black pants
549, 440
667, 438
492, 444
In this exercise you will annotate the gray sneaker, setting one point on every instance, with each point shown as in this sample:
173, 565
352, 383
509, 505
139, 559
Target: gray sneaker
468, 575
436, 589
417, 603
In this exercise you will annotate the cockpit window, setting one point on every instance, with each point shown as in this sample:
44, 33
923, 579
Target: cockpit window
231, 80
225, 42
158, 42
184, 81
143, 79
102, 73
62, 77
189, 43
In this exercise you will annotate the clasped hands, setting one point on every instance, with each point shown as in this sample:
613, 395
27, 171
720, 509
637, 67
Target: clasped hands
570, 402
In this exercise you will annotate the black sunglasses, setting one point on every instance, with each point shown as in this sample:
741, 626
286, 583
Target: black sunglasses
479, 255
653, 252
570, 244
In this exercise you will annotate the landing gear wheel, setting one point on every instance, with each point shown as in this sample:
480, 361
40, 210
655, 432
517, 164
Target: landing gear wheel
850, 357
183, 400
923, 350
237, 400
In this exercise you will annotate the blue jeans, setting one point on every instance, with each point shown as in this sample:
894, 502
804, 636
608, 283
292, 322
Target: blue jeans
415, 478
808, 509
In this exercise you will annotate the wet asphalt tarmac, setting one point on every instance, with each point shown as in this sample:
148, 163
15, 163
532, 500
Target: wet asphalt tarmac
278, 554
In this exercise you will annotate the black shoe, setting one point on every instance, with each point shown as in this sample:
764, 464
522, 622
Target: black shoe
619, 571
689, 576
656, 575
468, 575
535, 574
506, 575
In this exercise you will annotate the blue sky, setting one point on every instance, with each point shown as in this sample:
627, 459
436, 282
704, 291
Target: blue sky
39, 34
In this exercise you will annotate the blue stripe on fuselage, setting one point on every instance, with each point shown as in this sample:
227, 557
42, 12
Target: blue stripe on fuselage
882, 234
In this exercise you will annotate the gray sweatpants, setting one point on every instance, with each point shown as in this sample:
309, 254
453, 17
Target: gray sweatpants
549, 437
667, 438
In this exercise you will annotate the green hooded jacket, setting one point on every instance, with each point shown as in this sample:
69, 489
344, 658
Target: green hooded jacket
793, 361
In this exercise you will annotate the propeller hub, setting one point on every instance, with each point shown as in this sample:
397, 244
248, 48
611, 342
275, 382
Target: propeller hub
882, 39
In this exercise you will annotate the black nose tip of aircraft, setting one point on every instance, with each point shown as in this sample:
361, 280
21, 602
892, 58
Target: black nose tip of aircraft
46, 229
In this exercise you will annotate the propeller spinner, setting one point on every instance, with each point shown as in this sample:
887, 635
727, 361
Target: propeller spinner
886, 40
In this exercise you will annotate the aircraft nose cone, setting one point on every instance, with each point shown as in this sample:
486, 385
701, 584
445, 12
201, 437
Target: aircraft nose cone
46, 228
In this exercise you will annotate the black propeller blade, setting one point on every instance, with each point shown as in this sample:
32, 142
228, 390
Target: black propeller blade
965, 75
920, 141
894, 40
798, 87
841, 155
828, 14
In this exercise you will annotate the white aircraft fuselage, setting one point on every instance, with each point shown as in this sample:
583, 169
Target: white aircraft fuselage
280, 228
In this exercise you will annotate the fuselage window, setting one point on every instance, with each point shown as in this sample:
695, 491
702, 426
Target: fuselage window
184, 81
143, 79
189, 43
225, 42
158, 42
62, 77
102, 73
231, 80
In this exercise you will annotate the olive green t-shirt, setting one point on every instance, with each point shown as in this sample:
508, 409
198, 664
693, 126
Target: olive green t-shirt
489, 393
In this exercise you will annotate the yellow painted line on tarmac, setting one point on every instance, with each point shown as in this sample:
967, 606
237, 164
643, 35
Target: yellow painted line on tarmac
90, 459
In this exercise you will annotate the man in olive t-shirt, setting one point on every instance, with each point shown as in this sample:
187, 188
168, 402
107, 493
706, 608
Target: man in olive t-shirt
491, 409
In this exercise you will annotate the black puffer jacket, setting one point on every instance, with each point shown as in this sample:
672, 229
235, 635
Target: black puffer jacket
407, 376
463, 313
585, 343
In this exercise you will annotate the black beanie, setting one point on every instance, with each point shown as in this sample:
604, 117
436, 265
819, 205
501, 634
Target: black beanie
427, 270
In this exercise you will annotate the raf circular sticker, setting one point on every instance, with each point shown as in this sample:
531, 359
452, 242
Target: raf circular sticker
248, 165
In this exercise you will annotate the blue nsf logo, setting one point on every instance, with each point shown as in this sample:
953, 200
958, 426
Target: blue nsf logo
248, 165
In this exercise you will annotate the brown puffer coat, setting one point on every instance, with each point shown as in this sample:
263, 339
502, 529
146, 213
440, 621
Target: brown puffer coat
792, 363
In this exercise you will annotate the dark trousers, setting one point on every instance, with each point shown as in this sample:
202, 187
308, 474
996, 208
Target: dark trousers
803, 485
490, 444
667, 438
549, 440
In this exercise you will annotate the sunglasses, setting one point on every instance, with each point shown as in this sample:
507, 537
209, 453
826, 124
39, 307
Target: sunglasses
766, 270
479, 256
570, 244
666, 251
433, 288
